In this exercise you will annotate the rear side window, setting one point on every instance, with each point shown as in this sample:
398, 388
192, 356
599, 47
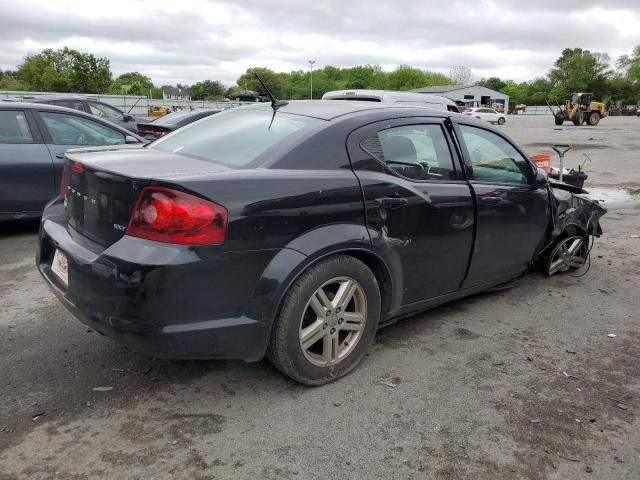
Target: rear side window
14, 127
75, 130
418, 152
105, 111
235, 139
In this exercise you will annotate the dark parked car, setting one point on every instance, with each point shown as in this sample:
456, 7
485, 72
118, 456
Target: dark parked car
33, 139
297, 232
92, 106
167, 123
249, 96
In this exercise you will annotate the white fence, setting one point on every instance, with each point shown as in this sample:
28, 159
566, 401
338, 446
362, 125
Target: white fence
133, 104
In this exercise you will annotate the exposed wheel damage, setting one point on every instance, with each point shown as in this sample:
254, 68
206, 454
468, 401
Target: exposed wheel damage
575, 218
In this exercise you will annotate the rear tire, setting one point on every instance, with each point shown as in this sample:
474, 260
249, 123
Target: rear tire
578, 117
593, 118
237, 99
338, 334
501, 121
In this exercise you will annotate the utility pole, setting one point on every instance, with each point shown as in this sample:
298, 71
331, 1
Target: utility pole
311, 62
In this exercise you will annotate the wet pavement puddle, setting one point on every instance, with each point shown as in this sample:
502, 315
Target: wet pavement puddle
615, 198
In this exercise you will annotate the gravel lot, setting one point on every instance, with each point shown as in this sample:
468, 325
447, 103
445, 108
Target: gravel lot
523, 383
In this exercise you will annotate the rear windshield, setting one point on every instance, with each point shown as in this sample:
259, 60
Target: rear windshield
235, 138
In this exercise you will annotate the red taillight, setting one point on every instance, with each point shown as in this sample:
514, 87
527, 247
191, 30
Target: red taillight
64, 181
77, 167
172, 216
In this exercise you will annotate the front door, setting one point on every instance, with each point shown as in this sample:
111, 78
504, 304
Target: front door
419, 209
513, 216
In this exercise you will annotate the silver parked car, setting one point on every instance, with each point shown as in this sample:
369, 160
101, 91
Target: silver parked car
92, 106
33, 139
434, 102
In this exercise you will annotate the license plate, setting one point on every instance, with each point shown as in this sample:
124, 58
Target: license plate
60, 267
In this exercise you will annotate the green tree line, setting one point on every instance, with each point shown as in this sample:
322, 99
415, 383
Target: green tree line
68, 70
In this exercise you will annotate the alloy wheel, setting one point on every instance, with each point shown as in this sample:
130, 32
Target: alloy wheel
333, 321
570, 253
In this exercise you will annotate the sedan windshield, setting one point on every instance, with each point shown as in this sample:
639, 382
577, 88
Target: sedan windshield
235, 138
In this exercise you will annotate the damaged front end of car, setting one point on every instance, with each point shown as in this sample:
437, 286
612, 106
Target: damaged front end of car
575, 219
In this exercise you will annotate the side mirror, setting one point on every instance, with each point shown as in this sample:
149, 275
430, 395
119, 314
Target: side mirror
130, 139
126, 117
541, 179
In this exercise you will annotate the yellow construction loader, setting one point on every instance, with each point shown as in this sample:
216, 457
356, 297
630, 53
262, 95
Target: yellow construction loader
581, 109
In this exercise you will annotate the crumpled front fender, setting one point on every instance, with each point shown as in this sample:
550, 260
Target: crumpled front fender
572, 211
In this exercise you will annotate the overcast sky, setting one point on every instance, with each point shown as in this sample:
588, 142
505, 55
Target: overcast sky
190, 40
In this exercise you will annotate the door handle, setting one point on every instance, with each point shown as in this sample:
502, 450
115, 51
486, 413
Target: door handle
60, 155
391, 203
491, 200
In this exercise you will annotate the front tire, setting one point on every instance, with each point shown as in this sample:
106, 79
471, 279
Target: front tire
578, 117
593, 118
501, 121
570, 253
559, 119
326, 322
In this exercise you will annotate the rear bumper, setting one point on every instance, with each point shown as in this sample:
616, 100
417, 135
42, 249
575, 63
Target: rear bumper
180, 302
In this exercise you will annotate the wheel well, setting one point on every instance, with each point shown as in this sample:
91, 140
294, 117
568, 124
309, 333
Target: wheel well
381, 273
571, 230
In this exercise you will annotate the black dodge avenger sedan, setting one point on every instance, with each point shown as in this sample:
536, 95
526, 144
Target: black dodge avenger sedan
296, 230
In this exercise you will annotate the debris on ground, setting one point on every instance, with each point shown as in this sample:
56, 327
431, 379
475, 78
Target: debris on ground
588, 469
388, 383
534, 420
102, 389
569, 375
611, 335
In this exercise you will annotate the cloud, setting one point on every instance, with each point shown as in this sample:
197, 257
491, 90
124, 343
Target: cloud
194, 40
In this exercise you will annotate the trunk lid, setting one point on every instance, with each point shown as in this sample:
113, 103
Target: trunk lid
103, 186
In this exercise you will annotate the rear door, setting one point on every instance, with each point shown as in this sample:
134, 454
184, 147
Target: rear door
62, 131
26, 170
419, 210
513, 216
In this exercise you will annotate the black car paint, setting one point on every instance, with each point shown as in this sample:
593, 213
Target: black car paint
30, 179
154, 129
220, 301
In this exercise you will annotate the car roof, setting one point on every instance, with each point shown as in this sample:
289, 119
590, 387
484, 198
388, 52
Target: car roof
330, 109
12, 105
55, 97
386, 96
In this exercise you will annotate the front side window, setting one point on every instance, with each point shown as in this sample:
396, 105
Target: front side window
418, 152
105, 111
235, 138
14, 127
493, 159
74, 130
